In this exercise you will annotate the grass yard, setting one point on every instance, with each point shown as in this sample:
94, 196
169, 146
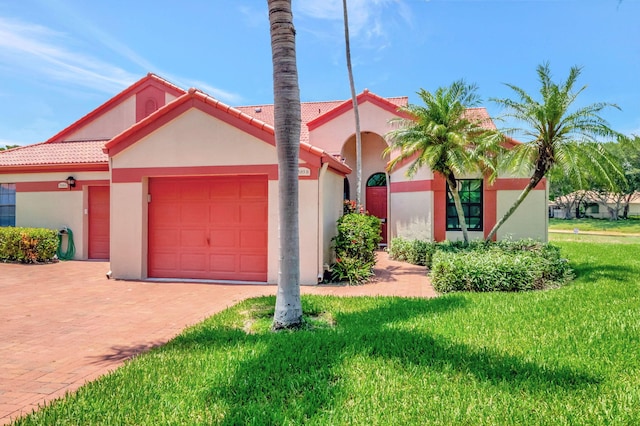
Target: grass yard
561, 357
629, 226
556, 237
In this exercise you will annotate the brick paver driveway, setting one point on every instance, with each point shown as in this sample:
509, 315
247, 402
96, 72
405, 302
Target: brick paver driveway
64, 324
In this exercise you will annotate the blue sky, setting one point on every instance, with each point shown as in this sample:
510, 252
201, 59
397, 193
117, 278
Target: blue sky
60, 59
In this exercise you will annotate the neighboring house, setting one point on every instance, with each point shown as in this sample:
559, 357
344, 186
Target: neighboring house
173, 184
599, 205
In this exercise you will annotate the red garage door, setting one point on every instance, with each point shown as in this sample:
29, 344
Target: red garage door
99, 222
208, 228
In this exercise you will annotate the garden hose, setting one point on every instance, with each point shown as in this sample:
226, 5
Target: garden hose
71, 247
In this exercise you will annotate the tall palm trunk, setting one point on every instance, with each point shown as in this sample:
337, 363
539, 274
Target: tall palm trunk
356, 114
286, 93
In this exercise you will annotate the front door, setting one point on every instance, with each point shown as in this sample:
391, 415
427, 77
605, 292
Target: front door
99, 222
377, 200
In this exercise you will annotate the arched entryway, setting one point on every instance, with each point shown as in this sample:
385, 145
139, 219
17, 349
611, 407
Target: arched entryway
372, 160
374, 180
377, 200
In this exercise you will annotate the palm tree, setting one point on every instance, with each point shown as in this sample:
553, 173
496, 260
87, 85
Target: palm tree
356, 114
286, 92
560, 136
444, 138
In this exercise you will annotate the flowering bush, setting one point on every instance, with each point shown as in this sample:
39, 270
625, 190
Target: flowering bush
28, 245
350, 206
355, 248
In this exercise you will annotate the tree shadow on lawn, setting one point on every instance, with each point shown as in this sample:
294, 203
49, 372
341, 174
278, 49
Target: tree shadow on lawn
593, 272
296, 375
122, 353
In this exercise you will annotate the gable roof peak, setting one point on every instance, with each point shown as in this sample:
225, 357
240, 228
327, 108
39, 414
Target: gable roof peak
149, 79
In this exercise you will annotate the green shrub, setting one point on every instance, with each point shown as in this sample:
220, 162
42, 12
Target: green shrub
479, 266
28, 245
399, 249
506, 266
417, 252
355, 248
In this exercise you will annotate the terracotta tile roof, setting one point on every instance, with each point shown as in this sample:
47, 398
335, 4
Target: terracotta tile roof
309, 111
233, 116
48, 153
482, 115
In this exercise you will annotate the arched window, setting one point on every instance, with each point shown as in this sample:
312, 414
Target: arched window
377, 179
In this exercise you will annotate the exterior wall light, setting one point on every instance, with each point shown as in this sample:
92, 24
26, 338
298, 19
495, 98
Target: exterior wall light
71, 182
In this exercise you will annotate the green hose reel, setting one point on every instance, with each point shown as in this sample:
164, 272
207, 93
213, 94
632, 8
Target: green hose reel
70, 252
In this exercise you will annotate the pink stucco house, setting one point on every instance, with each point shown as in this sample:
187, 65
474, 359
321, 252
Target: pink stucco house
174, 184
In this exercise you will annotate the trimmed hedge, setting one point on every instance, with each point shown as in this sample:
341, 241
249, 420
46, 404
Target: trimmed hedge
420, 252
479, 266
28, 245
417, 252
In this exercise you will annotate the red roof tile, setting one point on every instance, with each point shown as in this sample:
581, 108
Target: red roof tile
481, 115
49, 153
309, 111
196, 98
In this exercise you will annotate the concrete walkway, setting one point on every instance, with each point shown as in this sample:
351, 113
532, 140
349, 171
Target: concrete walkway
64, 324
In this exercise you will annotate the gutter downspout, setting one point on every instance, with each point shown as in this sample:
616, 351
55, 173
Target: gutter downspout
321, 173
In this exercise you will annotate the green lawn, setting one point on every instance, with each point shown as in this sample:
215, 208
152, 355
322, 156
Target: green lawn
569, 356
629, 226
555, 237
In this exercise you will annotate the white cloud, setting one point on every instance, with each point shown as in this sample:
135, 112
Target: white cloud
229, 98
368, 19
45, 53
48, 55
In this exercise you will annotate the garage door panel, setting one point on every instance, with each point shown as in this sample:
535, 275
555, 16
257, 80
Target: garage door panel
195, 191
227, 213
224, 262
164, 261
193, 262
223, 238
165, 214
253, 189
255, 213
167, 237
253, 239
227, 189
253, 263
194, 214
167, 191
232, 211
192, 238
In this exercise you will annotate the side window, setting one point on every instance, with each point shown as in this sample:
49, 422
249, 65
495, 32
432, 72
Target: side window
470, 191
7, 204
347, 190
